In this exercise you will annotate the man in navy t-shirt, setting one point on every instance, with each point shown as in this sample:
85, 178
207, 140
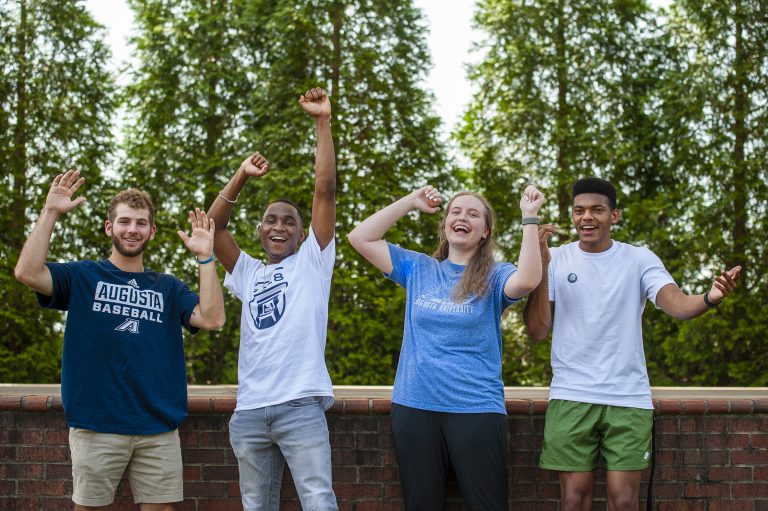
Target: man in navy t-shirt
123, 378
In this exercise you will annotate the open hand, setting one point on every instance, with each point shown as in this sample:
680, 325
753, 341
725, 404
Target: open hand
201, 241
63, 188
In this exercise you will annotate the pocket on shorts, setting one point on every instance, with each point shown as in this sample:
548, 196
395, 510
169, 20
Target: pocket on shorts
302, 402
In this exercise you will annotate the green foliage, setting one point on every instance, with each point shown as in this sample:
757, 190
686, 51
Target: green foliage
666, 107
56, 103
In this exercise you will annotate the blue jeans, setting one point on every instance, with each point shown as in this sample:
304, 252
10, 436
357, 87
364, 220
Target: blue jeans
263, 439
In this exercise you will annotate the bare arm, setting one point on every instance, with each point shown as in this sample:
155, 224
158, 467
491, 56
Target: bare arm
316, 103
209, 313
225, 245
528, 273
367, 236
679, 305
30, 268
539, 311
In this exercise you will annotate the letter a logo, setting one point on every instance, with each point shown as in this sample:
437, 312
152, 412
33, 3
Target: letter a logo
129, 325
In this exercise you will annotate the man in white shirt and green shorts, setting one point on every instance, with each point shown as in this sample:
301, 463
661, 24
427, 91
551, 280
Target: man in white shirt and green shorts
600, 411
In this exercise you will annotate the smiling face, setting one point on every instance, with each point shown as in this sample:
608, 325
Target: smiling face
131, 230
280, 231
592, 216
465, 223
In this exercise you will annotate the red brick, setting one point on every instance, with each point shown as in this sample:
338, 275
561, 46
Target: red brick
220, 505
345, 474
199, 404
381, 406
666, 425
233, 490
58, 471
761, 405
705, 457
759, 440
377, 474
55, 403
718, 406
518, 406
669, 407
393, 491
65, 504
217, 455
731, 505
32, 437
44, 487
729, 474
665, 489
57, 437
750, 457
749, 489
336, 408
224, 404
706, 490
681, 506
10, 402
748, 425
539, 406
741, 406
43, 454
358, 491
356, 406
713, 424
220, 473
694, 406
191, 473
10, 471
34, 403
690, 424
21, 503
204, 489
378, 506
342, 440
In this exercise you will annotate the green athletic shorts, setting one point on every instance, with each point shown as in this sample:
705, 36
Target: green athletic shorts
579, 437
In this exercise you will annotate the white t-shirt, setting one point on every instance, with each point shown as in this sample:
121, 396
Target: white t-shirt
283, 326
597, 338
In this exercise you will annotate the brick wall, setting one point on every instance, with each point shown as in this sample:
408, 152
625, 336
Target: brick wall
712, 454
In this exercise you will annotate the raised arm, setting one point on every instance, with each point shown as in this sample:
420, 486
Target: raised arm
209, 313
528, 274
538, 312
30, 268
316, 103
225, 246
366, 238
679, 305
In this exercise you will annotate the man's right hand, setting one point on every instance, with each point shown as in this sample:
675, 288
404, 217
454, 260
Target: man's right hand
255, 165
64, 186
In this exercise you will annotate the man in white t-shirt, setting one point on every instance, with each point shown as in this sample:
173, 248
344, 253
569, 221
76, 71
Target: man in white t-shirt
592, 295
284, 386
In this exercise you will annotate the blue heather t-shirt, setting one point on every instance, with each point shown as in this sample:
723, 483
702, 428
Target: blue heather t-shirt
123, 367
450, 360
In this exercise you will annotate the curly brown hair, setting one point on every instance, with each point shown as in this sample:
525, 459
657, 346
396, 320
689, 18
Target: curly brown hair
134, 198
474, 281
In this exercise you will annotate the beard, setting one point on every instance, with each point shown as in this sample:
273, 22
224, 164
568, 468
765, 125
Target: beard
118, 244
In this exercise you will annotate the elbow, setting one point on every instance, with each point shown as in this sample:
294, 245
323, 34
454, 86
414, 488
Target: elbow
537, 332
355, 239
21, 274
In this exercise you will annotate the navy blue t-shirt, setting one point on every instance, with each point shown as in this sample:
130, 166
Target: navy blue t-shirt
123, 367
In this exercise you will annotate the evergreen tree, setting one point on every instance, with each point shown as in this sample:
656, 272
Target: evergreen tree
56, 101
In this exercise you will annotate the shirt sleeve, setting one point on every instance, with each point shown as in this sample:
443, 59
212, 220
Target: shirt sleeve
61, 275
188, 300
244, 266
321, 259
502, 273
403, 262
653, 275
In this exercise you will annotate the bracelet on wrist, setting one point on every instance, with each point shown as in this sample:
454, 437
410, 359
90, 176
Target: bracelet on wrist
206, 261
530, 220
227, 199
710, 304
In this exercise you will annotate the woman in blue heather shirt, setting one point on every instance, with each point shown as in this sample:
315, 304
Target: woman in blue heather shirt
448, 401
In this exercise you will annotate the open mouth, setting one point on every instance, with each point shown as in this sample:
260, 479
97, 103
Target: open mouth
461, 228
588, 228
278, 239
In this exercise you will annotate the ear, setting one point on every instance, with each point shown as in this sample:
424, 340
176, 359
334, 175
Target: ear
615, 216
486, 232
302, 235
153, 231
108, 228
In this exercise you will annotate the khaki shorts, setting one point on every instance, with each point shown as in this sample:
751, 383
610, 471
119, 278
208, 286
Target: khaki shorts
100, 459
579, 437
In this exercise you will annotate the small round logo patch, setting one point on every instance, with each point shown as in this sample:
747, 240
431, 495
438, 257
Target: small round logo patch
646, 455
572, 278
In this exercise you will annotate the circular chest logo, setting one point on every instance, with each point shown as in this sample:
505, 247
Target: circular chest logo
572, 278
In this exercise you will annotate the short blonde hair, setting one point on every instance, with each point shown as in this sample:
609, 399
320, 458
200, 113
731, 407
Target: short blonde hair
134, 198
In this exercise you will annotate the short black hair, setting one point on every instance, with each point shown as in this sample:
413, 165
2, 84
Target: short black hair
291, 203
595, 185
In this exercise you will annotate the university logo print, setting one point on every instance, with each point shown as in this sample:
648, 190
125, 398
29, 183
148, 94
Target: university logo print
129, 325
268, 305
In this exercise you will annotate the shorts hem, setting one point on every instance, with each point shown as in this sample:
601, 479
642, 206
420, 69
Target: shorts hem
158, 499
631, 468
93, 502
566, 468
